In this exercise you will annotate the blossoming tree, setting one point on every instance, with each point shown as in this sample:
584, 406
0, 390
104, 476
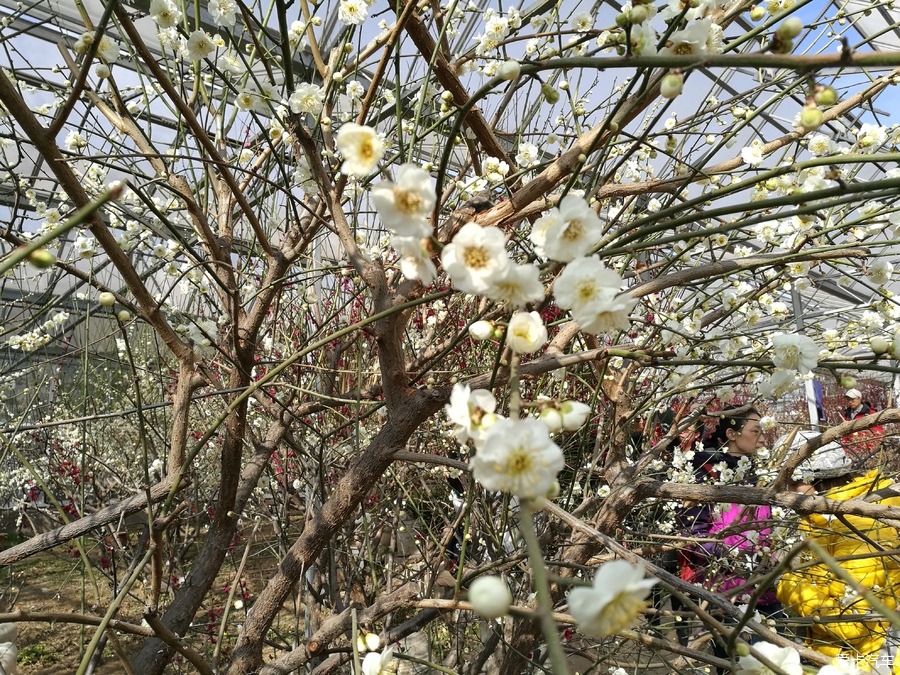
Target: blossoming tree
388, 301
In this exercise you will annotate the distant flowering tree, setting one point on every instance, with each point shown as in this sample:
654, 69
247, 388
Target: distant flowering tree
385, 300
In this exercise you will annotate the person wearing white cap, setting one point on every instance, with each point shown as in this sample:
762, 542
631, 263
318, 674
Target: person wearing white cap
865, 443
855, 406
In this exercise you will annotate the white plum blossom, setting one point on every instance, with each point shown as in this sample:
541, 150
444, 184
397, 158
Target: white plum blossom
476, 258
223, 12
870, 137
786, 659
614, 602
526, 332
575, 231
84, 247
591, 291
490, 597
582, 22
752, 154
361, 147
472, 412
695, 10
165, 13
415, 259
307, 98
518, 286
107, 49
519, 458
495, 170
820, 145
352, 12
795, 352
691, 40
644, 39
538, 234
880, 272
527, 155
230, 64
355, 89
378, 664
496, 28
199, 45
582, 280
481, 330
404, 206
74, 141
871, 322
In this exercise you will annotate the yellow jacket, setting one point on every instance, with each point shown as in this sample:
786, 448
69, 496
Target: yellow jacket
816, 591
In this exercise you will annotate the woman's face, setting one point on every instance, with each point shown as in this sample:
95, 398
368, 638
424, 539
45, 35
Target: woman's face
746, 441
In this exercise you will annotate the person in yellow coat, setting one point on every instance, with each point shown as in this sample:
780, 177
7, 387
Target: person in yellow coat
858, 544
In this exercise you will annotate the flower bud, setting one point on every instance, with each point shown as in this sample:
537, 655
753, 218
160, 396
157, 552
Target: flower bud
554, 490
671, 85
373, 642
107, 299
895, 346
549, 93
551, 418
102, 71
124, 316
41, 258
639, 14
879, 345
509, 70
622, 20
574, 414
825, 95
742, 649
757, 13
481, 330
811, 118
490, 597
361, 644
848, 382
790, 28
780, 46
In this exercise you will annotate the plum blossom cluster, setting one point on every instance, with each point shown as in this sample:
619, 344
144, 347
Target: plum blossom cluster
404, 207
37, 338
477, 263
516, 456
792, 355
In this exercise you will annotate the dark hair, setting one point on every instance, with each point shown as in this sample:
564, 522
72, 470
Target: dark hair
736, 422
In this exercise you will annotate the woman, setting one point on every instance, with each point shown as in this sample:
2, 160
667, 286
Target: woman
740, 533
